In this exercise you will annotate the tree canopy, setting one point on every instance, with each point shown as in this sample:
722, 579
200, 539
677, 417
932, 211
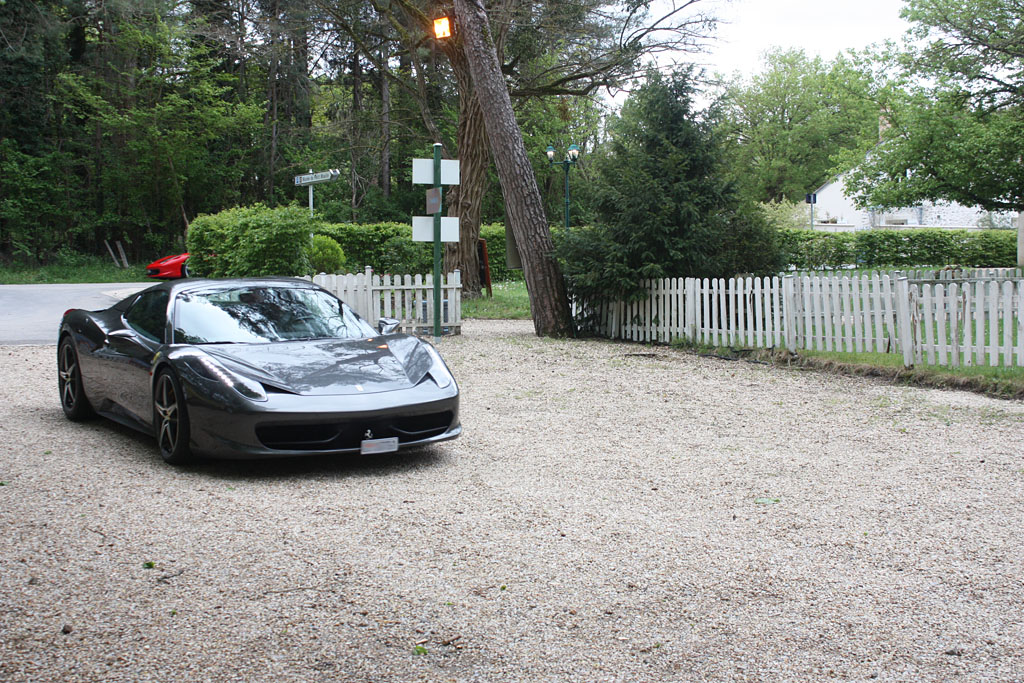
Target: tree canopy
784, 124
953, 102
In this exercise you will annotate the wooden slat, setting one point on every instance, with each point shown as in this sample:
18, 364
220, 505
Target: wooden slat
928, 320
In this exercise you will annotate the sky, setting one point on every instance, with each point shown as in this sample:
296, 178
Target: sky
821, 27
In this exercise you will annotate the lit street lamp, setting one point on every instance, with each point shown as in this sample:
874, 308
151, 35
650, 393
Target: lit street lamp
570, 160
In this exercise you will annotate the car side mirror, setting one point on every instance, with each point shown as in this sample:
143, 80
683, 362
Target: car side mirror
388, 325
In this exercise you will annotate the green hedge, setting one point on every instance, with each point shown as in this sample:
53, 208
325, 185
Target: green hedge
258, 240
494, 234
388, 248
251, 241
815, 250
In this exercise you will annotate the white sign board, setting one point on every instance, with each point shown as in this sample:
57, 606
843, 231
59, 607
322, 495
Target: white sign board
321, 177
423, 229
423, 171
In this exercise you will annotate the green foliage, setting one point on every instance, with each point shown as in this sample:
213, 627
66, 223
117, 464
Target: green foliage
815, 250
326, 255
807, 249
494, 235
954, 99
783, 124
388, 248
68, 266
251, 241
659, 204
787, 214
385, 247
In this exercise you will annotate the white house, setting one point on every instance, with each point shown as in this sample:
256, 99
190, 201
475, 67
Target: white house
835, 212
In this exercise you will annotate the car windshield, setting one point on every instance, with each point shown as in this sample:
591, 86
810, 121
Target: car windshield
262, 313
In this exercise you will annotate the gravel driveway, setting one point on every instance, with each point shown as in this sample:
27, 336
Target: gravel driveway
613, 512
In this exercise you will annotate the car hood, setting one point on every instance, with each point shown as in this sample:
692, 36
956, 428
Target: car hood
323, 367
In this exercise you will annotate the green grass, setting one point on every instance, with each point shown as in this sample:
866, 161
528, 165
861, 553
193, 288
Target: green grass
895, 360
81, 269
1004, 382
510, 302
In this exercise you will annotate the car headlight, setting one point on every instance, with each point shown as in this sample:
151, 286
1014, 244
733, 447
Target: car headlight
211, 369
438, 370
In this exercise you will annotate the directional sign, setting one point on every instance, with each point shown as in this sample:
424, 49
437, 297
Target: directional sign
423, 171
423, 229
321, 177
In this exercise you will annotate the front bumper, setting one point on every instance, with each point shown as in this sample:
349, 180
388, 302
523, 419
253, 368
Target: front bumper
289, 425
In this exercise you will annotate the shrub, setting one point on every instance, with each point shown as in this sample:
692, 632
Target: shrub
659, 205
251, 241
814, 250
494, 234
326, 255
385, 247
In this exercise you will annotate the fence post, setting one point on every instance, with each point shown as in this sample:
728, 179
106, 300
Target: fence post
367, 297
455, 301
689, 305
789, 313
904, 326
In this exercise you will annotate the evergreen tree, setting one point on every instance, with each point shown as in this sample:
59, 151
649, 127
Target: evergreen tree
659, 203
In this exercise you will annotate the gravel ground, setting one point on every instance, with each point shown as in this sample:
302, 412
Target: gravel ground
613, 512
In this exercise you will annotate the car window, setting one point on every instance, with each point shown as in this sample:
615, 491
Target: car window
148, 315
257, 314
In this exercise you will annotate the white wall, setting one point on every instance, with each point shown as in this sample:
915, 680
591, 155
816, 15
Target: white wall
833, 203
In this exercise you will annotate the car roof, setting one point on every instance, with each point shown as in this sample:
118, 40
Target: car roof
174, 287
197, 284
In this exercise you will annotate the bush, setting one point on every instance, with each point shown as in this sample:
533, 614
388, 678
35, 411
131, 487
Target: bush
385, 247
326, 255
807, 249
494, 234
251, 241
659, 205
814, 250
388, 248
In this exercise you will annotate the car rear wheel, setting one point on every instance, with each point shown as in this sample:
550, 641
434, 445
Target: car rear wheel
170, 419
69, 381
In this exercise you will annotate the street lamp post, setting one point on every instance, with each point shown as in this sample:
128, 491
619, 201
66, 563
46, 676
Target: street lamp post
570, 160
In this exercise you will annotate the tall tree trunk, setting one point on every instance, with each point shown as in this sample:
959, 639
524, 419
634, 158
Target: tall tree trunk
548, 300
357, 106
385, 152
465, 199
273, 90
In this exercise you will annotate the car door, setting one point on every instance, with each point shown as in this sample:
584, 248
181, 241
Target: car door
130, 352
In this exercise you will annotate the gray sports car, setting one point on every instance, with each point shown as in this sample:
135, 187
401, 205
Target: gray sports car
254, 368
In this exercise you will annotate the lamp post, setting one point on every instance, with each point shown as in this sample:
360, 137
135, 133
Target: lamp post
570, 160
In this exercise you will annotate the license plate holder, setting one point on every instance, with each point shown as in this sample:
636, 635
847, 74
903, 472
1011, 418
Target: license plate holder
376, 446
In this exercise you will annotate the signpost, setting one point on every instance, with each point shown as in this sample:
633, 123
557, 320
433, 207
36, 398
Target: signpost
434, 228
312, 179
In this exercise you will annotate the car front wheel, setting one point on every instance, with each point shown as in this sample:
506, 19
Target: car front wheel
170, 419
69, 382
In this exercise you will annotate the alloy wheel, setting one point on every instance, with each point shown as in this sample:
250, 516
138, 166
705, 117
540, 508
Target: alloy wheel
69, 377
166, 405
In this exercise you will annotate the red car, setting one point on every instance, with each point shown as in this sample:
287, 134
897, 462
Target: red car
169, 267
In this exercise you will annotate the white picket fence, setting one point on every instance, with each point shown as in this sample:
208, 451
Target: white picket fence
936, 321
408, 298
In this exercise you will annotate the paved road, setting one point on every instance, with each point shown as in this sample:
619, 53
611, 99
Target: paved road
29, 314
